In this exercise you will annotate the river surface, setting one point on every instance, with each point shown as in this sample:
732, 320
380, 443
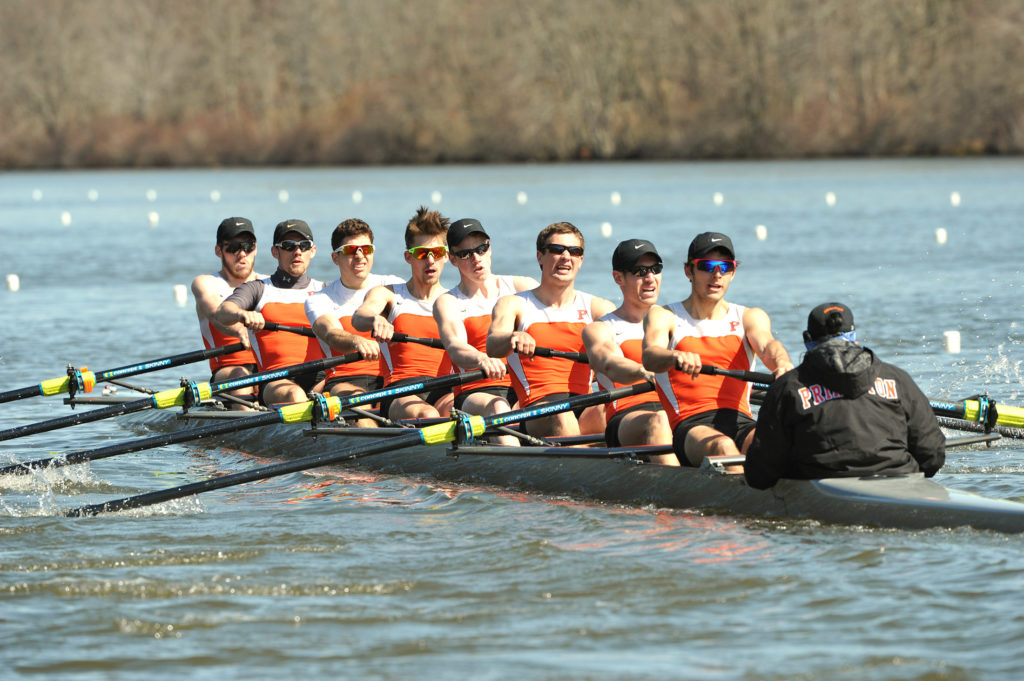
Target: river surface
347, 574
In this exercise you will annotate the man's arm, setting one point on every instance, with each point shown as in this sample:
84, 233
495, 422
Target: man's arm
453, 335
371, 314
237, 312
766, 347
204, 289
606, 356
766, 458
502, 338
925, 440
599, 307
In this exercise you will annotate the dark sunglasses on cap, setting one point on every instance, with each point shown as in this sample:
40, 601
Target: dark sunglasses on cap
352, 249
707, 265
236, 246
479, 250
559, 249
290, 245
643, 270
421, 252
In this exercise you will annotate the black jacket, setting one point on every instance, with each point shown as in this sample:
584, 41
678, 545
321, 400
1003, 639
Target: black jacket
843, 413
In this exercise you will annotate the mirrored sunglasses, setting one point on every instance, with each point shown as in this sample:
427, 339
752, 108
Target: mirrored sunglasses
290, 245
559, 249
643, 270
352, 249
721, 266
236, 246
421, 252
466, 253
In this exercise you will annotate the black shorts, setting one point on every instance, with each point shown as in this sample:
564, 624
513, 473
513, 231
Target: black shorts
611, 431
497, 390
368, 384
428, 396
304, 381
731, 423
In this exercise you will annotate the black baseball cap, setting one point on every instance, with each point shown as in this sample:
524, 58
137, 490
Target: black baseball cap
292, 225
627, 253
828, 320
229, 228
463, 228
705, 242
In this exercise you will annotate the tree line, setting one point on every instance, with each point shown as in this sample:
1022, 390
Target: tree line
96, 83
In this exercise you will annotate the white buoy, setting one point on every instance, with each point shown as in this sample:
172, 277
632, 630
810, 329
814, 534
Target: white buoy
37, 194
718, 198
65, 218
521, 198
13, 282
93, 195
215, 196
951, 341
154, 218
357, 196
180, 294
940, 235
762, 232
606, 229
435, 196
282, 196
954, 199
830, 198
151, 195
616, 198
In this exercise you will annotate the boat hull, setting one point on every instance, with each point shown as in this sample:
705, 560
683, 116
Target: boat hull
904, 501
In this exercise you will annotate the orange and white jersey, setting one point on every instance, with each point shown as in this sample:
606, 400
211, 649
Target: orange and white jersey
413, 317
558, 328
629, 336
215, 338
476, 316
339, 301
285, 306
719, 342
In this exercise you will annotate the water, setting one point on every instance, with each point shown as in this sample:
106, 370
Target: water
350, 574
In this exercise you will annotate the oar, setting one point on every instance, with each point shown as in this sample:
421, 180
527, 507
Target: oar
751, 376
175, 397
85, 379
981, 410
301, 411
471, 426
300, 330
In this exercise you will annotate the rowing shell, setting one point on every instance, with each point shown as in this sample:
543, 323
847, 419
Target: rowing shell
611, 475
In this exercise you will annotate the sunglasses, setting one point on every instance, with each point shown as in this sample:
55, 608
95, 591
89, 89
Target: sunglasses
559, 249
643, 270
352, 249
421, 252
236, 246
479, 250
721, 266
290, 245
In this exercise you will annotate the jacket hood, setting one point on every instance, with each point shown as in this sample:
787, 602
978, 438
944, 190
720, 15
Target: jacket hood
841, 366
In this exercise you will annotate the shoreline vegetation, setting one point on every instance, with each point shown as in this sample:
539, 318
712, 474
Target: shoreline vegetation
144, 83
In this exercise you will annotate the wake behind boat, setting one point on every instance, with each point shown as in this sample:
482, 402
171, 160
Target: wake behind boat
620, 476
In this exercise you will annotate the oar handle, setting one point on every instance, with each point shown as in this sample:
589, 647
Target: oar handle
300, 330
752, 376
429, 342
580, 357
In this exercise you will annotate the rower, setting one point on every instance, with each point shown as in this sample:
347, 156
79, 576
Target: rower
279, 298
709, 415
842, 413
551, 315
614, 346
407, 308
236, 248
330, 312
463, 316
